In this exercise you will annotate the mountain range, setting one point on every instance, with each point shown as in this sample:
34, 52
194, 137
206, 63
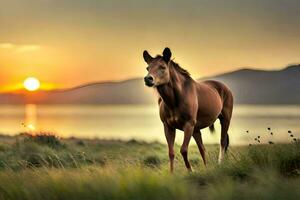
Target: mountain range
249, 86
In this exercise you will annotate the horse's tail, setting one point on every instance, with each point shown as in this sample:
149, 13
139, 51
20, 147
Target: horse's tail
212, 128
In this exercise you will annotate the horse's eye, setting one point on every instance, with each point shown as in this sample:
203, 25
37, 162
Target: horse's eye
162, 67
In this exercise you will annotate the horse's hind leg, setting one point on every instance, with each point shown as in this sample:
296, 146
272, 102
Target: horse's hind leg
198, 138
225, 118
224, 143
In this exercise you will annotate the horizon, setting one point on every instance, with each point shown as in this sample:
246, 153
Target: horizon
23, 90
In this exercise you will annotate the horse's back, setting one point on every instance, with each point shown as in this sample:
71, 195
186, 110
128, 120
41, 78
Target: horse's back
222, 89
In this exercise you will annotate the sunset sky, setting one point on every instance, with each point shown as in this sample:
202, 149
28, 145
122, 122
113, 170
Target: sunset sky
66, 43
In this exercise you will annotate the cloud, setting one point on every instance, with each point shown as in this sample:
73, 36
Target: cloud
20, 48
6, 46
28, 48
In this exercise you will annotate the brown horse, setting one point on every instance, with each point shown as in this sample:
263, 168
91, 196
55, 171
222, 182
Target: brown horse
188, 105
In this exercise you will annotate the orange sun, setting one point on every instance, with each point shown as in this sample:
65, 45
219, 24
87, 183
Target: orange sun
31, 84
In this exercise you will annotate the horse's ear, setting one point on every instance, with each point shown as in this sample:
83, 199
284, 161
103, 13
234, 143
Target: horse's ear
147, 57
167, 54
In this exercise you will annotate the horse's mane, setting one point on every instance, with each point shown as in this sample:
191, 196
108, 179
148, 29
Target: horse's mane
177, 67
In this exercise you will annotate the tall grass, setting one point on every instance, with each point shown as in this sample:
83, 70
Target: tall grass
37, 167
91, 183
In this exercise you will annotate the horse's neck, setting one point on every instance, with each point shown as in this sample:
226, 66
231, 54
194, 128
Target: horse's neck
168, 95
171, 92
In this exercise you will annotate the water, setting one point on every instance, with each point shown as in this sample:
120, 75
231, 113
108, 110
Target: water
142, 122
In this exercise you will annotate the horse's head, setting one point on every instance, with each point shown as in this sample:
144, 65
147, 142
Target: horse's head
158, 68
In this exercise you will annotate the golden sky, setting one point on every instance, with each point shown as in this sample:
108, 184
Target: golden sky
66, 43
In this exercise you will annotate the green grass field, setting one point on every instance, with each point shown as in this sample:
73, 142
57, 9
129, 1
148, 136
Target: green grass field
46, 167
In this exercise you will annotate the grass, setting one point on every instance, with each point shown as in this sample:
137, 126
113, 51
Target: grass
47, 167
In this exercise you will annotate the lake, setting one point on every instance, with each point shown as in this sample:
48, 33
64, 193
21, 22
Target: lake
142, 122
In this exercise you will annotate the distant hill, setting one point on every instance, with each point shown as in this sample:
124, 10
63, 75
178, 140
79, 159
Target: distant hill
249, 87
131, 91
264, 87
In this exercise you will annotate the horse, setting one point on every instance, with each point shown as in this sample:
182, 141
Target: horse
188, 105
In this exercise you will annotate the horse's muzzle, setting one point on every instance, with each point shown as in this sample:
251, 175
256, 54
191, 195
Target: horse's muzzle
149, 81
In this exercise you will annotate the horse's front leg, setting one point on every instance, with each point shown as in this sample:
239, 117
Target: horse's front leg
170, 136
198, 138
188, 132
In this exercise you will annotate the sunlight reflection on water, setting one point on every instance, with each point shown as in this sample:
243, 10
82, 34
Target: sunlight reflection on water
142, 122
30, 117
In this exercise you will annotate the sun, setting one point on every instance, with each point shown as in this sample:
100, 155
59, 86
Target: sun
31, 84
